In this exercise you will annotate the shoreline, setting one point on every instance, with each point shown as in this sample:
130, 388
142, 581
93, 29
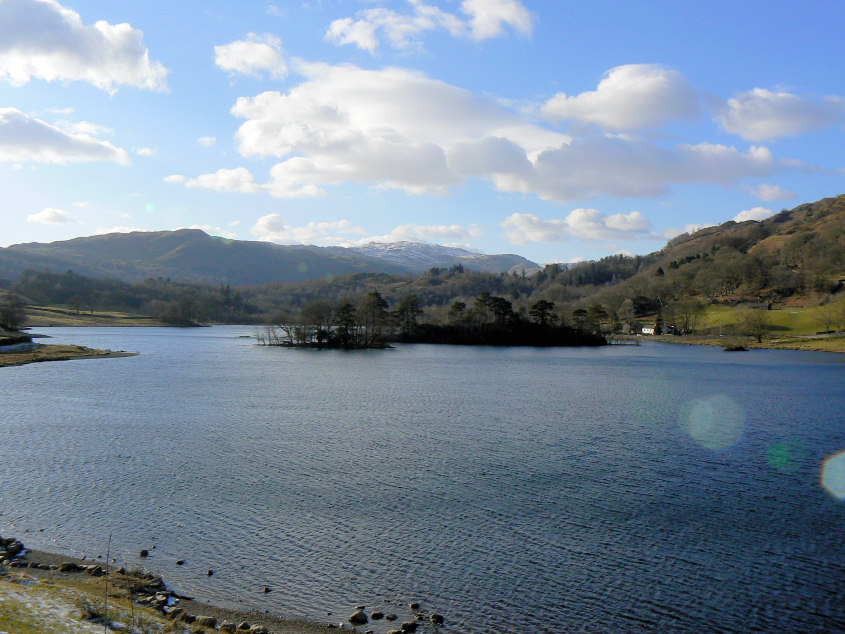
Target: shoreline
39, 571
145, 595
801, 343
43, 353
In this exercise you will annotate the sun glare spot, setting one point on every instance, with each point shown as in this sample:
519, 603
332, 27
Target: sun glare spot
716, 422
150, 208
833, 475
786, 456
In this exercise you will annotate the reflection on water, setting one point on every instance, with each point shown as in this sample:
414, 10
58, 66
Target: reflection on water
655, 487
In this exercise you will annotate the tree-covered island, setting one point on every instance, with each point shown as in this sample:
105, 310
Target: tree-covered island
491, 320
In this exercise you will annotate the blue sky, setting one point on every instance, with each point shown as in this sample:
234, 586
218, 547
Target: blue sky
557, 130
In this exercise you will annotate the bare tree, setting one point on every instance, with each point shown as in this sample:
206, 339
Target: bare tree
12, 315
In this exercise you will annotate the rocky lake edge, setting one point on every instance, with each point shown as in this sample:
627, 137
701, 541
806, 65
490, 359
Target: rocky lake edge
158, 606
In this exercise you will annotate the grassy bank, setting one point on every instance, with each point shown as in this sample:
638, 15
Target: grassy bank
57, 352
46, 593
34, 601
57, 316
817, 343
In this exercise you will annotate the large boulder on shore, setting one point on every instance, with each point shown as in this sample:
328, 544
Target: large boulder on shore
358, 618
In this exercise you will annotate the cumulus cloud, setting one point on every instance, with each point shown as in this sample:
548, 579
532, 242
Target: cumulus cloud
28, 139
392, 127
255, 55
273, 228
488, 18
175, 178
760, 114
206, 141
42, 39
485, 19
772, 192
239, 180
756, 213
600, 165
524, 228
51, 216
414, 233
145, 151
399, 129
628, 98
589, 224
83, 127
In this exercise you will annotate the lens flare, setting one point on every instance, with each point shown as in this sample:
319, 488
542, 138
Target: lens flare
786, 456
833, 475
716, 422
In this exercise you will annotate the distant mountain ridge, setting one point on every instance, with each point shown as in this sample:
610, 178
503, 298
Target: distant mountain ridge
421, 256
191, 255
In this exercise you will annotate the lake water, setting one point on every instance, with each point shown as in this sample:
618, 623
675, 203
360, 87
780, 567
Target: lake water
659, 487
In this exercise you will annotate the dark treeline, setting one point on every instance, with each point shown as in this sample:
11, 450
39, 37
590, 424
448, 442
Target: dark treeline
172, 302
491, 320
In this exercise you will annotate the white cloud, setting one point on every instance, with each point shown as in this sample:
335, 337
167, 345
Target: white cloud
253, 56
757, 213
174, 178
213, 231
589, 224
600, 165
145, 151
525, 228
42, 39
592, 224
239, 180
485, 19
772, 192
51, 216
414, 233
273, 228
206, 141
83, 127
393, 127
629, 98
761, 114
25, 138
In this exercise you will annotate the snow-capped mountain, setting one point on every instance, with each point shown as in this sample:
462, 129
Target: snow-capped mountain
421, 256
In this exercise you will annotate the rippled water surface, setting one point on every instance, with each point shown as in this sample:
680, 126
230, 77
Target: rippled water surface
657, 487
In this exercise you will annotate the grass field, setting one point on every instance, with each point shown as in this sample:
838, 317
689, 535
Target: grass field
793, 327
57, 352
792, 321
57, 316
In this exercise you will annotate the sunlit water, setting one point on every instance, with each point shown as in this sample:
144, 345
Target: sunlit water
627, 488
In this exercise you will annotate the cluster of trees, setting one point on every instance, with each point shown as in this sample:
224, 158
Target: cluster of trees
322, 323
371, 323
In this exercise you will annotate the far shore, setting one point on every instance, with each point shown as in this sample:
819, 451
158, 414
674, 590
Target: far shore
808, 343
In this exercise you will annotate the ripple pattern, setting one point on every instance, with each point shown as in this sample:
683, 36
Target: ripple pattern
511, 490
